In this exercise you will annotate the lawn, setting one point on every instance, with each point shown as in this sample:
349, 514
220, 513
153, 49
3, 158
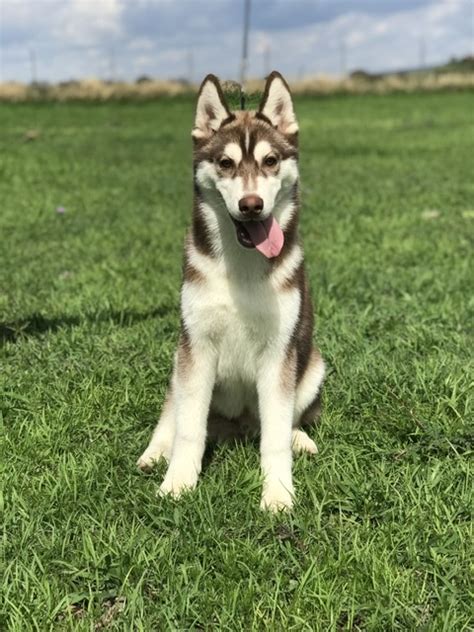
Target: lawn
381, 536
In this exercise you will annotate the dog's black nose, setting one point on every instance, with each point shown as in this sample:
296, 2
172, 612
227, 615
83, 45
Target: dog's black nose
251, 205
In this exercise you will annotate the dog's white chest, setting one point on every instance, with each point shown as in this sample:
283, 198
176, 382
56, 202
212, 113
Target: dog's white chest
244, 321
239, 321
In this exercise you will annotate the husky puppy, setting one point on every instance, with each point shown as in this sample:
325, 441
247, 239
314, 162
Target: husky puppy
245, 354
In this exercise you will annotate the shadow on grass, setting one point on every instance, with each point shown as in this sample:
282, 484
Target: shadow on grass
37, 324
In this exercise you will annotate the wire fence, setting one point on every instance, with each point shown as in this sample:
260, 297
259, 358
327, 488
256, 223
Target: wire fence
34, 65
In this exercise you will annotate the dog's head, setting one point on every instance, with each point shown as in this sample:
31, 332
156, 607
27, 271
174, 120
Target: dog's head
247, 160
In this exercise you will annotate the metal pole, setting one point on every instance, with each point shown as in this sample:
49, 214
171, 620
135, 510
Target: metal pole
245, 40
421, 53
112, 67
343, 57
33, 66
190, 67
266, 60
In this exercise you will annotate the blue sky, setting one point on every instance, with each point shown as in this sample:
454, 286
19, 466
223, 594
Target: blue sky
179, 38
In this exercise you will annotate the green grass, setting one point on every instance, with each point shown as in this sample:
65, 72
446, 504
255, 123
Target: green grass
381, 536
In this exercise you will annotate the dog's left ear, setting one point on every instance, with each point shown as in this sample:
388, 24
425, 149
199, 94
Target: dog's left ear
277, 105
211, 110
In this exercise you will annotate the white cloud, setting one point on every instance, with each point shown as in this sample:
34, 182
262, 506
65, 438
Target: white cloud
141, 44
83, 22
377, 42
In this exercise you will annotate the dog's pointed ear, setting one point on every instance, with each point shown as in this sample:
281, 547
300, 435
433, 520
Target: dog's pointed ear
211, 110
277, 105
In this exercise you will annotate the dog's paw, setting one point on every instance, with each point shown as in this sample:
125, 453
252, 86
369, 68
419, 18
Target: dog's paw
276, 497
152, 455
300, 442
175, 484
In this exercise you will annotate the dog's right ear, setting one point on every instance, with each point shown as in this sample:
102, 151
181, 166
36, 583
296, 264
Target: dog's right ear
212, 109
277, 105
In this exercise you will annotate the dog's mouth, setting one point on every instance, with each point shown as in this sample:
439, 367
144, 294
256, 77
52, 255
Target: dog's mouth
266, 236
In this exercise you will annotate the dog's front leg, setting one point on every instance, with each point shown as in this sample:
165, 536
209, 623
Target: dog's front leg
276, 393
195, 377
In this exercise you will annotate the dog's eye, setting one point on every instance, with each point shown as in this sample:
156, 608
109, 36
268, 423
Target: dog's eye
226, 163
270, 161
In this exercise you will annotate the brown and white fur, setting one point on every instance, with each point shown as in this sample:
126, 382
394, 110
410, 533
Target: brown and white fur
245, 354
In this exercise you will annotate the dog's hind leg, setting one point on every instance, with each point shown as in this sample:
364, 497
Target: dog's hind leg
300, 442
308, 404
161, 442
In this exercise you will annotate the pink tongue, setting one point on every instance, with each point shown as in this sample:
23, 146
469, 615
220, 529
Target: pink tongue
266, 236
